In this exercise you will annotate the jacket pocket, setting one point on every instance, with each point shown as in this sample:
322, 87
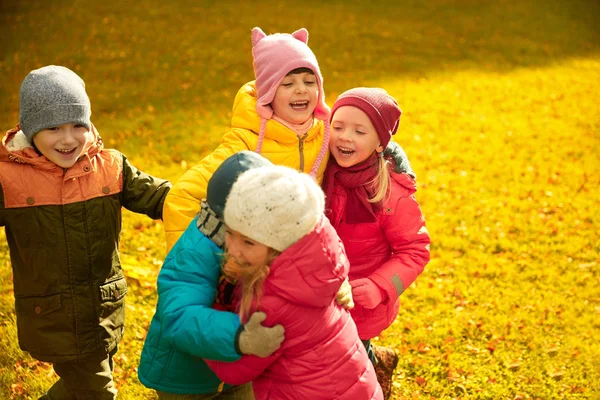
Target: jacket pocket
112, 310
39, 306
44, 327
113, 291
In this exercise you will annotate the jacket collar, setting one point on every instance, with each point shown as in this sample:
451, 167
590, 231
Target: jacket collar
17, 148
310, 271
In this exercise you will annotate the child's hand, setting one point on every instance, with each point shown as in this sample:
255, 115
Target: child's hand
259, 340
366, 293
344, 295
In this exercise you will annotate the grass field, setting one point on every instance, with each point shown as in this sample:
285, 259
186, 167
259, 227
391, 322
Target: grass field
501, 123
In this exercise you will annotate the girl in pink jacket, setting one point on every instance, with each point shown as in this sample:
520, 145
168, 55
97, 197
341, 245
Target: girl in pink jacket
290, 263
375, 214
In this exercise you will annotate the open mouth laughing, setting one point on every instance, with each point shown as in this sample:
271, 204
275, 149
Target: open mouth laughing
299, 105
66, 152
345, 151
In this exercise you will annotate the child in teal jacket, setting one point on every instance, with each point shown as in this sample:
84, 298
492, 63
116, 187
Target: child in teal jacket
186, 327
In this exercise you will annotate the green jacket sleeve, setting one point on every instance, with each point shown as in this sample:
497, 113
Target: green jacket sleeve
143, 193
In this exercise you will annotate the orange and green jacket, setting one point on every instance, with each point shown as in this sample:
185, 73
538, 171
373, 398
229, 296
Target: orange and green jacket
281, 146
62, 228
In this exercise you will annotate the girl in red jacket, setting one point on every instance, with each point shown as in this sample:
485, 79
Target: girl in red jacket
375, 214
290, 263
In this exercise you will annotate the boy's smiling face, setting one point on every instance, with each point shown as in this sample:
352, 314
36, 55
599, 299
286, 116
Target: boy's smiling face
63, 144
296, 97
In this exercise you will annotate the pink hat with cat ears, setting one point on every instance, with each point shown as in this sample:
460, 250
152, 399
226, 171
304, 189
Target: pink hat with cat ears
274, 57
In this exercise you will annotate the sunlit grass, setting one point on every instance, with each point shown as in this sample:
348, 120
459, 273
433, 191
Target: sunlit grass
509, 182
501, 123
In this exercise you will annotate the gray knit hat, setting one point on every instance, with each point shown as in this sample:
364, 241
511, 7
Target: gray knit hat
52, 96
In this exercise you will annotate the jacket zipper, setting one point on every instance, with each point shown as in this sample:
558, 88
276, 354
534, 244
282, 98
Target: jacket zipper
71, 274
301, 150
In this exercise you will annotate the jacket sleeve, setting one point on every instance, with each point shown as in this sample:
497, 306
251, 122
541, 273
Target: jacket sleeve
409, 240
143, 193
186, 293
246, 369
183, 200
249, 367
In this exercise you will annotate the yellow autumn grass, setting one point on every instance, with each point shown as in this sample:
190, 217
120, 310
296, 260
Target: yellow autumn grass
501, 123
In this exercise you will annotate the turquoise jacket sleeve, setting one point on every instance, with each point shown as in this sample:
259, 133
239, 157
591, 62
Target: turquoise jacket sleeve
186, 293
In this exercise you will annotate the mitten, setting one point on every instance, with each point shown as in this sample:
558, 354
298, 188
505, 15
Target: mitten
366, 293
394, 152
344, 295
259, 340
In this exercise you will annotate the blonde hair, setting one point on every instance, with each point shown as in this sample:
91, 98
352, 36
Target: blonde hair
249, 278
381, 183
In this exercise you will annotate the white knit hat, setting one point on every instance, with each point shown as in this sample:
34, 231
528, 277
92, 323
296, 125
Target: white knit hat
274, 205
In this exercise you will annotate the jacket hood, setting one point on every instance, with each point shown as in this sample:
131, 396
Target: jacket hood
17, 148
245, 117
405, 180
310, 271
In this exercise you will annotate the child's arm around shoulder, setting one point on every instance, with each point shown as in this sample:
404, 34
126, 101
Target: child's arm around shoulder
249, 367
143, 193
181, 204
409, 239
186, 293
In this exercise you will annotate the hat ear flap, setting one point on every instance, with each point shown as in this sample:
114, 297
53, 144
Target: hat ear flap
257, 35
301, 34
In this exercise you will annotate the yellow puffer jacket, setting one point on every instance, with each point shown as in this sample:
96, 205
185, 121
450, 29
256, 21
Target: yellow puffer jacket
280, 145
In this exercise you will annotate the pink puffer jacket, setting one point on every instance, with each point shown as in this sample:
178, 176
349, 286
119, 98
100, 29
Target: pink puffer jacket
392, 251
322, 356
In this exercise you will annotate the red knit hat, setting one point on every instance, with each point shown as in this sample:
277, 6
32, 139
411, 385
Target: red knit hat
381, 108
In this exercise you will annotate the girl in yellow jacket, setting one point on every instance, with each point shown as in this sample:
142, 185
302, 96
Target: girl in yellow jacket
282, 115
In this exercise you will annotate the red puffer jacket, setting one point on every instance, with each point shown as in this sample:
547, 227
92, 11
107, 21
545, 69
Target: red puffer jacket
321, 357
392, 251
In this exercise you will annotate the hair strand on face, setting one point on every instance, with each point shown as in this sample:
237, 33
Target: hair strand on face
250, 278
